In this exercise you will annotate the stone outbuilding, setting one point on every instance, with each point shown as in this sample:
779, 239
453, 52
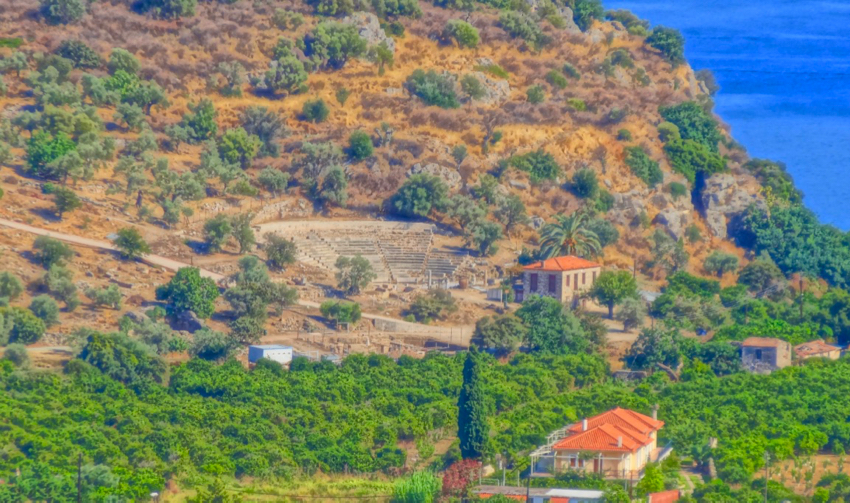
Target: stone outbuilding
562, 278
817, 349
763, 355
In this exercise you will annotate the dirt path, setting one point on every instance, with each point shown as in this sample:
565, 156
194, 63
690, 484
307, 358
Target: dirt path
397, 325
155, 260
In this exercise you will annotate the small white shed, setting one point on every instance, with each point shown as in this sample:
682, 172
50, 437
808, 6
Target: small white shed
274, 352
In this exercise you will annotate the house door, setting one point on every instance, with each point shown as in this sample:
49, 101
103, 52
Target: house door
597, 465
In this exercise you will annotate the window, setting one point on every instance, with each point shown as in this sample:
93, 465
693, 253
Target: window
533, 282
758, 354
575, 280
568, 279
584, 278
553, 283
594, 277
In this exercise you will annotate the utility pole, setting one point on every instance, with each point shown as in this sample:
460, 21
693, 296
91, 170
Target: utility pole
766, 473
80, 478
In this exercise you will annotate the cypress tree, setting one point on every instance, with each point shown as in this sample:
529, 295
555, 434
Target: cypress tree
472, 426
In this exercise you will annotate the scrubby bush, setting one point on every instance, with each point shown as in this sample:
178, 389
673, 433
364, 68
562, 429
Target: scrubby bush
585, 12
50, 251
585, 184
605, 231
79, 53
539, 165
693, 123
472, 87
461, 32
315, 111
131, 244
109, 296
419, 196
332, 44
643, 167
536, 95
677, 190
17, 354
624, 135
720, 263
46, 309
280, 252
237, 146
10, 286
121, 60
168, 9
689, 157
556, 79
670, 42
340, 311
522, 26
273, 180
360, 145
354, 274
433, 88
578, 104
434, 305
668, 131
62, 11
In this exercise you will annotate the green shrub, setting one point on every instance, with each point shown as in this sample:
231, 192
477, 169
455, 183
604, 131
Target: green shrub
17, 354
605, 231
62, 11
668, 131
46, 309
168, 9
315, 111
624, 135
536, 94
332, 44
585, 12
340, 311
419, 195
571, 71
494, 70
522, 26
604, 201
434, 305
538, 164
694, 123
643, 167
556, 79
360, 145
578, 104
677, 190
12, 43
585, 184
342, 95
433, 88
689, 158
79, 53
670, 42
472, 87
461, 32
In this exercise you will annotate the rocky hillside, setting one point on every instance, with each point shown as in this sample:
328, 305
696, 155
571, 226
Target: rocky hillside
523, 80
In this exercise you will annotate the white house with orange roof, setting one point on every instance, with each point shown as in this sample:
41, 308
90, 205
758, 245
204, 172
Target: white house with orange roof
562, 278
617, 444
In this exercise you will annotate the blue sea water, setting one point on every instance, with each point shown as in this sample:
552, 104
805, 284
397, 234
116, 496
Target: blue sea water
784, 71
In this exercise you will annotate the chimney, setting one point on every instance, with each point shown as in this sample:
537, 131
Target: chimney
584, 424
619, 441
655, 412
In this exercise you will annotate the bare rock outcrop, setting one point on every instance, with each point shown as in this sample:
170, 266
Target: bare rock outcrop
723, 200
449, 176
370, 29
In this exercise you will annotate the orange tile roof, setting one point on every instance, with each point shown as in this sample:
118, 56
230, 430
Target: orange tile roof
604, 431
567, 263
812, 348
624, 418
603, 438
762, 342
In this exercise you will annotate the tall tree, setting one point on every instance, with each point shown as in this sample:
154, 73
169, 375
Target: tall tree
473, 429
611, 288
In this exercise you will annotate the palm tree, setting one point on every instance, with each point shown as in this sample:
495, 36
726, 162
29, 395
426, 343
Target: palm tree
569, 236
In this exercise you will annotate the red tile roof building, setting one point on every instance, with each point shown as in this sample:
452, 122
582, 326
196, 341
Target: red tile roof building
561, 278
618, 444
